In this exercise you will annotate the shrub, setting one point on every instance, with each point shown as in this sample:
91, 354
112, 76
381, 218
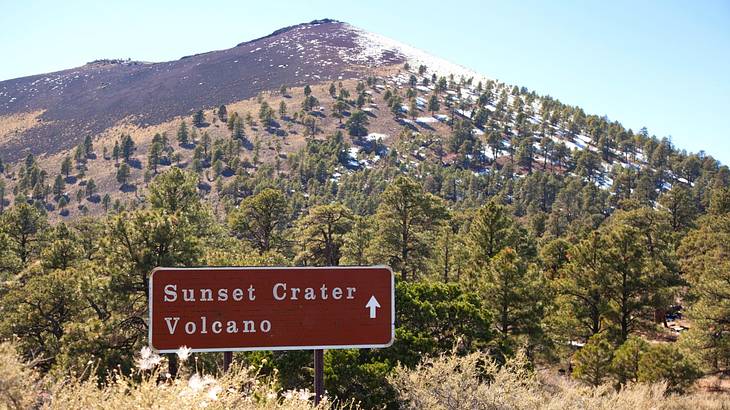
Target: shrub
475, 381
593, 361
664, 362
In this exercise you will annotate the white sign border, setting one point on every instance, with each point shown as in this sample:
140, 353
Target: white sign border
272, 348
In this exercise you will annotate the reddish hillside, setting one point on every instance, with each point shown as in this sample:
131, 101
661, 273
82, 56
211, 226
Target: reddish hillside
89, 99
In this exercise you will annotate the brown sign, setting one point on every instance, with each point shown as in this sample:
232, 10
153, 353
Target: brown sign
266, 308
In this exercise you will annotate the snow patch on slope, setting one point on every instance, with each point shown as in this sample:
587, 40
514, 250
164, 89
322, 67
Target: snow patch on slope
373, 48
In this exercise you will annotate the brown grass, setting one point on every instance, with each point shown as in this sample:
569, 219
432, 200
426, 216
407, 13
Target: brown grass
11, 126
476, 382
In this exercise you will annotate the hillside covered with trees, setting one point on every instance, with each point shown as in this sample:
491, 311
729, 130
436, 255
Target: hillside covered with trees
556, 246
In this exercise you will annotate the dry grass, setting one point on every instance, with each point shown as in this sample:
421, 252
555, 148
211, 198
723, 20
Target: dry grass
476, 382
11, 126
148, 388
448, 382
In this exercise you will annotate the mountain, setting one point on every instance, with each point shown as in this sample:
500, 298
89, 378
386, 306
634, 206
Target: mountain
301, 84
70, 104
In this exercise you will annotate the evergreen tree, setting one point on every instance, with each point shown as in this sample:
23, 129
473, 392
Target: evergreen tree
88, 146
90, 188
625, 362
2, 196
593, 361
433, 104
492, 230
25, 226
223, 113
679, 202
320, 234
356, 241
66, 166
260, 219
405, 217
127, 147
116, 152
511, 290
199, 118
58, 186
238, 131
106, 200
665, 363
266, 114
153, 156
357, 124
182, 134
583, 286
123, 174
703, 257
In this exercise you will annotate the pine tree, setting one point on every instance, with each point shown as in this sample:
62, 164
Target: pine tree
123, 174
413, 108
127, 147
66, 166
320, 234
153, 156
238, 132
62, 203
90, 188
355, 243
199, 118
223, 113
625, 362
58, 186
106, 201
511, 290
593, 361
25, 226
338, 109
116, 152
2, 196
88, 146
680, 204
266, 114
433, 104
666, 363
357, 124
583, 284
182, 134
703, 257
405, 217
260, 219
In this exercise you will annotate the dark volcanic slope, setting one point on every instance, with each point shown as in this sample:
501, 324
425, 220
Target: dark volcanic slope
89, 99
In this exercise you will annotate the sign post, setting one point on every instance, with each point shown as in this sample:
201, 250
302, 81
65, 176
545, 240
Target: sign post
318, 375
227, 309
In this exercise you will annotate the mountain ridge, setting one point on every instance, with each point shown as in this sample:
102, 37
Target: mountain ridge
91, 98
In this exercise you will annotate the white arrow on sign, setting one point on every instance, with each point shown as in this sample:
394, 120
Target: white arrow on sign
372, 305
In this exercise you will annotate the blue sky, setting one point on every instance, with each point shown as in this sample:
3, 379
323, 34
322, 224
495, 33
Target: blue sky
660, 64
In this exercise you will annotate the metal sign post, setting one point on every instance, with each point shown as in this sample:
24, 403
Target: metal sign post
227, 359
318, 375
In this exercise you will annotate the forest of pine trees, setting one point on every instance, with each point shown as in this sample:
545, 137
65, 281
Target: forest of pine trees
522, 254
